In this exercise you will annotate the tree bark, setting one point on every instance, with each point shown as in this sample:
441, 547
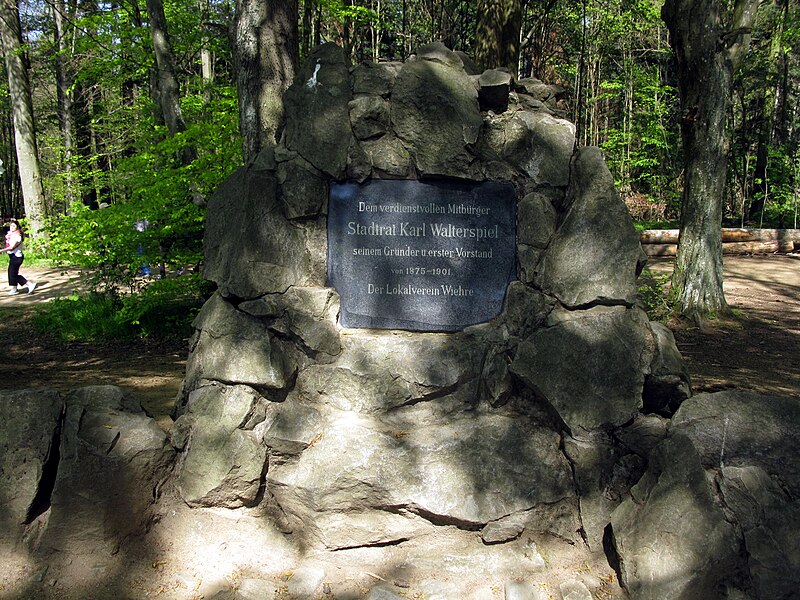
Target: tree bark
169, 90
64, 97
708, 46
169, 93
265, 52
22, 110
206, 57
497, 37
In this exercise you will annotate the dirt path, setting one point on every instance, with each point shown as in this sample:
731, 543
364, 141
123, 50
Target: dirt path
51, 282
152, 371
757, 351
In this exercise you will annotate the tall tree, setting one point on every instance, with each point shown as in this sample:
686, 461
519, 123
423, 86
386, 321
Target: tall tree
708, 42
22, 110
64, 81
167, 79
168, 88
266, 54
497, 38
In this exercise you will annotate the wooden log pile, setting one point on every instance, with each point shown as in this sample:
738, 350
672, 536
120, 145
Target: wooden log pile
664, 242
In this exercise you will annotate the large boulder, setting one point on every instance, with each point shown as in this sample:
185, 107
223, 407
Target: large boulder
435, 113
245, 208
222, 459
235, 348
612, 347
769, 518
467, 471
317, 111
595, 255
29, 444
670, 536
89, 468
737, 428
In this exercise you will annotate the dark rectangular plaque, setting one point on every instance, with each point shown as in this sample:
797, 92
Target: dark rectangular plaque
421, 256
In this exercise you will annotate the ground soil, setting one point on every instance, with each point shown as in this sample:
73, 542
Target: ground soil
757, 349
151, 369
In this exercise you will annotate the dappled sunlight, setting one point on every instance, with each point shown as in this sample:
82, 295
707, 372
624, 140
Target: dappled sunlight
20, 571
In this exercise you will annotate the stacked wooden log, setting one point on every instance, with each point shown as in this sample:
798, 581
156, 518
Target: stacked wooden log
664, 242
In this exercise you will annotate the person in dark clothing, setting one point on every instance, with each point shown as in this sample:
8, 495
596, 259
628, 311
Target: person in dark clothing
14, 239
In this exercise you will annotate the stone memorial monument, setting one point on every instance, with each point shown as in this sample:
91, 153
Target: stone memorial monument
424, 373
418, 299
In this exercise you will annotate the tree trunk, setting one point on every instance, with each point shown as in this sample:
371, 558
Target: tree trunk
64, 97
265, 51
168, 88
169, 91
707, 51
22, 109
497, 37
206, 57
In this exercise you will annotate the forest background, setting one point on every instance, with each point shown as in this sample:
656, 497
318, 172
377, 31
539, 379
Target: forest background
125, 176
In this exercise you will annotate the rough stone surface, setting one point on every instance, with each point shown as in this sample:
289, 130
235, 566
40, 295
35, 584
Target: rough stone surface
737, 428
547, 94
596, 221
317, 111
388, 156
603, 473
770, 520
369, 116
222, 459
671, 538
307, 314
610, 345
29, 421
435, 112
536, 144
275, 257
668, 383
443, 471
514, 439
574, 590
493, 88
303, 191
242, 351
86, 471
375, 79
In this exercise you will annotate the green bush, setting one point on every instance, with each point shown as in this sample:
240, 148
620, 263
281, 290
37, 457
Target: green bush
164, 309
89, 318
655, 296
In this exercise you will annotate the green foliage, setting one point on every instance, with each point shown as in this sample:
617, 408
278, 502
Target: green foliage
165, 309
155, 190
32, 259
655, 296
90, 318
763, 177
108, 246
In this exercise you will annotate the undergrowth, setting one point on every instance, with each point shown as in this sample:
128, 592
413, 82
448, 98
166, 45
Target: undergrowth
164, 309
655, 296
32, 259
